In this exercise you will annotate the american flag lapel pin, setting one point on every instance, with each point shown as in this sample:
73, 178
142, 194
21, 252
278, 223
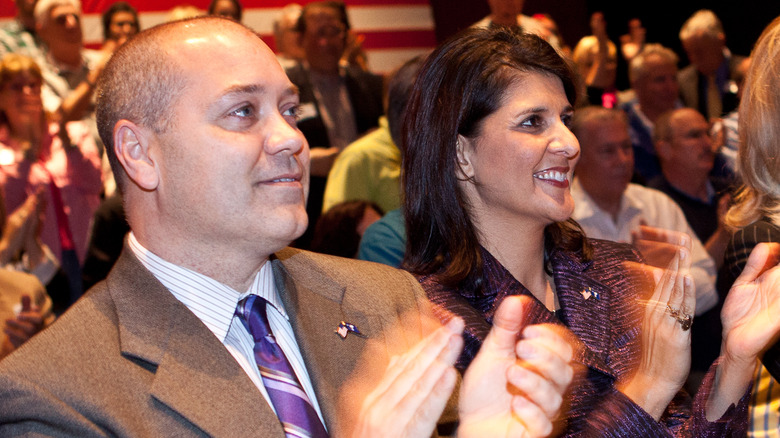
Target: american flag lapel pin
587, 292
345, 328
342, 330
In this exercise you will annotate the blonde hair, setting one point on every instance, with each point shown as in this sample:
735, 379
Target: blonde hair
586, 53
13, 63
759, 132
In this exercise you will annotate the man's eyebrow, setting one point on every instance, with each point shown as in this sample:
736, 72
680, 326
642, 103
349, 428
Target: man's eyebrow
243, 89
292, 90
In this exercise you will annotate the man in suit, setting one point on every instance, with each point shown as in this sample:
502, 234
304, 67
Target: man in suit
200, 122
339, 102
653, 76
708, 84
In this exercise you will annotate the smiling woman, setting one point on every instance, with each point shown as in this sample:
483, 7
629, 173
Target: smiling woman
513, 104
517, 169
488, 158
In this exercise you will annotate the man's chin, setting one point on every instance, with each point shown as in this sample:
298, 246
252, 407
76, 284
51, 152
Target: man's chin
302, 222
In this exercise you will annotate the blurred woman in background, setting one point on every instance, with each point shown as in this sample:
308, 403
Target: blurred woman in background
39, 155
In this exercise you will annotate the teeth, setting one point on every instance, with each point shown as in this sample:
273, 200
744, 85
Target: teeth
551, 174
284, 180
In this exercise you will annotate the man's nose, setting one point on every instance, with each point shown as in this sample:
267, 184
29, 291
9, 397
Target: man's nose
284, 137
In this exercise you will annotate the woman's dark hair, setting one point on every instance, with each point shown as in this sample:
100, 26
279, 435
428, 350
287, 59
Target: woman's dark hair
336, 230
399, 88
462, 82
109, 14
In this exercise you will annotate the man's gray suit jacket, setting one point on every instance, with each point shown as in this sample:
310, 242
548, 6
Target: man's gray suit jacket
129, 359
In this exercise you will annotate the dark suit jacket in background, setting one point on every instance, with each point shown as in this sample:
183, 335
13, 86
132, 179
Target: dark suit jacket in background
109, 227
688, 79
130, 360
365, 94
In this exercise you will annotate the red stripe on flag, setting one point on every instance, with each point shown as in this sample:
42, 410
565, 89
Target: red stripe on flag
399, 39
98, 6
283, 3
269, 40
422, 39
8, 8
419, 39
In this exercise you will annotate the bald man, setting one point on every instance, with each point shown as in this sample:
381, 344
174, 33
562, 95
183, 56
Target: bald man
687, 157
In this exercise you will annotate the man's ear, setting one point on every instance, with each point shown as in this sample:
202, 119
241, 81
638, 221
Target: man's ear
663, 148
464, 155
131, 146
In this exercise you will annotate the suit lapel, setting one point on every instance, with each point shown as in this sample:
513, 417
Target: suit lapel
195, 376
584, 309
316, 305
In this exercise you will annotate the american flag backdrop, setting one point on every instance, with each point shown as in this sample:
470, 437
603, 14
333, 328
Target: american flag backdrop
394, 30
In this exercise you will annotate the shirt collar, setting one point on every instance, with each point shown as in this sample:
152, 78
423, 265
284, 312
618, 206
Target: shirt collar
641, 115
212, 302
632, 198
585, 207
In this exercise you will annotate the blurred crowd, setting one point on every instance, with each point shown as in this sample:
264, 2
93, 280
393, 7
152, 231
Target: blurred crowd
480, 183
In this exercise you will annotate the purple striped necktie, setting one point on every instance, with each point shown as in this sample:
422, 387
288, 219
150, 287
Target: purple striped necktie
292, 405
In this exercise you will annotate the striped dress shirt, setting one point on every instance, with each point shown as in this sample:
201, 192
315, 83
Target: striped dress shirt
215, 304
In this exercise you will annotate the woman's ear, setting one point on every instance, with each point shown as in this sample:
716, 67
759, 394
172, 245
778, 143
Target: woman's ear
131, 146
464, 154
